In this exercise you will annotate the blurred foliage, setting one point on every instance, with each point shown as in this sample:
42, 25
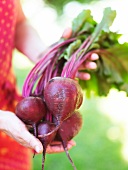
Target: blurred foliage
59, 6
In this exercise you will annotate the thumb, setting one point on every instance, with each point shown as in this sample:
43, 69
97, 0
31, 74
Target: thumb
32, 142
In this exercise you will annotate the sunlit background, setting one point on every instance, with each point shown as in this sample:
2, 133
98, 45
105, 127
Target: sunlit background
113, 108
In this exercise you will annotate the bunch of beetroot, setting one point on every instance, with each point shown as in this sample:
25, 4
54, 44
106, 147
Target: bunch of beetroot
52, 96
54, 115
51, 101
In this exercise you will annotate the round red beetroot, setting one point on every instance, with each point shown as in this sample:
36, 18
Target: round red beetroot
62, 96
68, 130
31, 110
44, 128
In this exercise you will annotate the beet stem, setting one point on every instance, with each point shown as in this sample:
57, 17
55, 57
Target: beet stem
54, 130
39, 68
68, 155
43, 157
35, 129
34, 154
35, 134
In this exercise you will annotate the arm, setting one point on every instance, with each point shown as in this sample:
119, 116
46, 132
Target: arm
27, 39
29, 43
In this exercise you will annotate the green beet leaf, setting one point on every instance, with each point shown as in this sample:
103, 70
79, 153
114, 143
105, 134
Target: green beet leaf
112, 68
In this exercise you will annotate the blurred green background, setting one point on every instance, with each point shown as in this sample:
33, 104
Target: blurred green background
102, 143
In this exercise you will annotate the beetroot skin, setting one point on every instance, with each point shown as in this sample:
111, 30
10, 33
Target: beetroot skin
31, 110
62, 97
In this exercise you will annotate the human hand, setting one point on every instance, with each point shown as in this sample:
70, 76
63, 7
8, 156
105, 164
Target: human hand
89, 64
56, 147
15, 128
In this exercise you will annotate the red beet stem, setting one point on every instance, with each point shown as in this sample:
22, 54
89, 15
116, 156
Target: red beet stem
49, 133
68, 155
39, 68
43, 157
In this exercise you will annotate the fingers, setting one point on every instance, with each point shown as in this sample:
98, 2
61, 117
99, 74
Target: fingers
94, 56
19, 132
67, 33
28, 140
70, 144
54, 149
57, 147
83, 76
90, 65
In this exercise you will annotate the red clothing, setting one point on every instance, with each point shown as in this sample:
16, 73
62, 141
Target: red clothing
12, 155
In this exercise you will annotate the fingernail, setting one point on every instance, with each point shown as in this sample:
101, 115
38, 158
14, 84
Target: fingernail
74, 143
94, 56
67, 33
91, 65
86, 76
38, 149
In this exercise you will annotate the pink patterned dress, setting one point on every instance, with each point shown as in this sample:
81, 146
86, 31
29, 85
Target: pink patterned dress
13, 156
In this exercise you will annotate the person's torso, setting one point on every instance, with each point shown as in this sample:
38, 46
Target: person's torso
8, 16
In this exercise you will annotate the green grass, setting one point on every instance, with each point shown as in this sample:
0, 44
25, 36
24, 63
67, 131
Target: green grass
94, 150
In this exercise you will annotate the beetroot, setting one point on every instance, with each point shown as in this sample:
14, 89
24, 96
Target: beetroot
68, 130
54, 116
62, 97
44, 128
31, 110
71, 126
